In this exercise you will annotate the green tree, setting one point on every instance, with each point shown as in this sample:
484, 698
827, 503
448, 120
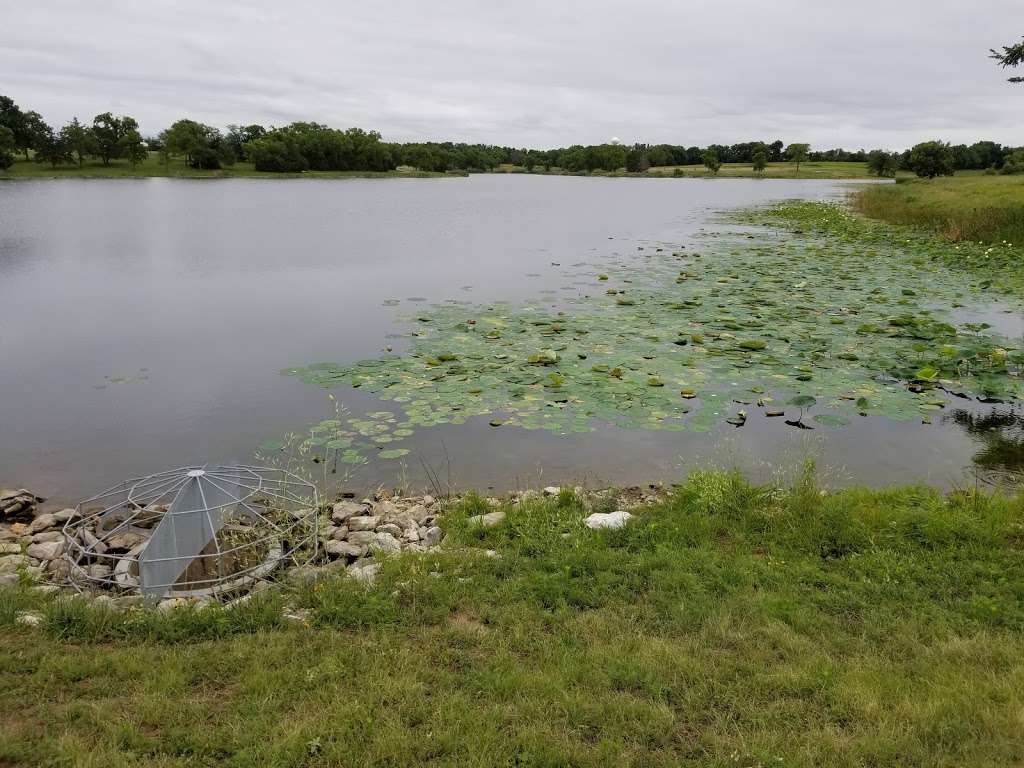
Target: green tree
133, 147
34, 131
79, 139
6, 147
51, 148
108, 131
882, 163
1011, 56
930, 159
1014, 162
798, 153
710, 160
759, 160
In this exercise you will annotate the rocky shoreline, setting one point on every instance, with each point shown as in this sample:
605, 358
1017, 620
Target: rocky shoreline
353, 535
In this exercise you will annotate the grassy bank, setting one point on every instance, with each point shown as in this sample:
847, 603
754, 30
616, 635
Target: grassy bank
976, 207
728, 626
823, 170
177, 168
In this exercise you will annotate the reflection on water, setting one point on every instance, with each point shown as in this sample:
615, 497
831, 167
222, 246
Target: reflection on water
999, 433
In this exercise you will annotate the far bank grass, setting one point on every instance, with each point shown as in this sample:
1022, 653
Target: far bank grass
177, 168
984, 208
732, 625
823, 170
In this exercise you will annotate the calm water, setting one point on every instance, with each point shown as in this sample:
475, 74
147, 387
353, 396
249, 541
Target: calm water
143, 323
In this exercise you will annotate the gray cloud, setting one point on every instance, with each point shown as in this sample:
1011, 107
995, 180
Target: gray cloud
530, 73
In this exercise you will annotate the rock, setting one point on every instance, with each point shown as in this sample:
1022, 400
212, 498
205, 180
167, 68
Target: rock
362, 538
45, 536
18, 504
99, 571
49, 550
411, 534
417, 513
386, 543
344, 549
340, 534
363, 523
9, 579
608, 519
173, 603
65, 514
125, 541
42, 523
552, 490
343, 510
391, 528
29, 619
428, 501
489, 520
12, 563
46, 589
385, 509
432, 537
9, 548
123, 574
58, 570
363, 570
297, 616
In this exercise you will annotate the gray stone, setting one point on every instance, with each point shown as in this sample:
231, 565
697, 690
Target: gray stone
418, 513
340, 534
386, 543
65, 514
99, 571
11, 563
45, 536
42, 523
49, 550
343, 510
391, 528
411, 534
428, 501
364, 572
363, 523
9, 579
344, 549
362, 538
432, 537
125, 541
9, 548
489, 520
552, 490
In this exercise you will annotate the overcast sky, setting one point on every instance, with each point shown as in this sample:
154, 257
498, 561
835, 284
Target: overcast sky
539, 73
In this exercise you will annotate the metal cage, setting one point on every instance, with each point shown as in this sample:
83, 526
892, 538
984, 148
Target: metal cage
193, 532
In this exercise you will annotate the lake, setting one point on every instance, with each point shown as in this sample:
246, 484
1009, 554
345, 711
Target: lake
144, 325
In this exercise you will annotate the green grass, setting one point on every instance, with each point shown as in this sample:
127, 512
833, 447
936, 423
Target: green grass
729, 626
177, 168
970, 207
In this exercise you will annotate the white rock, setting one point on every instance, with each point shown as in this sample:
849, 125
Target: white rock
386, 543
30, 619
428, 501
411, 534
432, 537
489, 520
49, 550
417, 513
364, 572
363, 523
172, 603
11, 563
343, 510
608, 519
552, 490
99, 571
9, 548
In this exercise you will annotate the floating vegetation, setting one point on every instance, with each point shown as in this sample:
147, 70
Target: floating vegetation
801, 307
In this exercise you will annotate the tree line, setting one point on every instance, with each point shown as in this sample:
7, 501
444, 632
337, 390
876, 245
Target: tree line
306, 146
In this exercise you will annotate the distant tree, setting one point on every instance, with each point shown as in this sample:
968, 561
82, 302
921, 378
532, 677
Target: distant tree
775, 151
1014, 162
760, 160
108, 131
6, 147
34, 132
930, 159
1011, 56
710, 160
51, 148
78, 139
637, 160
798, 153
239, 136
882, 163
133, 147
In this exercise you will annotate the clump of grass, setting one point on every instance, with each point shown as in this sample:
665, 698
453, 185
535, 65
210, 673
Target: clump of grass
988, 209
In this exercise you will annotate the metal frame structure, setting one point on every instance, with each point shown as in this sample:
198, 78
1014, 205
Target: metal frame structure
194, 532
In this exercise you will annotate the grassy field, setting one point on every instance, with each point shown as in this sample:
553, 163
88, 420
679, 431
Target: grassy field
177, 168
974, 207
730, 625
